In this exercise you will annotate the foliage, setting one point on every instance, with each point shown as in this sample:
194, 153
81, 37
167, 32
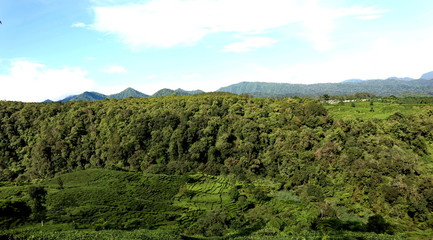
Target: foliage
216, 165
178, 92
13, 213
381, 110
377, 224
38, 198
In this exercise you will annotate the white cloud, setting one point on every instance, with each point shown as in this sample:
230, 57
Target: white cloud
249, 44
397, 56
380, 58
168, 23
320, 22
29, 81
79, 25
115, 70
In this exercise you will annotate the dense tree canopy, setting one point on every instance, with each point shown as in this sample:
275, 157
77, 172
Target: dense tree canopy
212, 133
368, 166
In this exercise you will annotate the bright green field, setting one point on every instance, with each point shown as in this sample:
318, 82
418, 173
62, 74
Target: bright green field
363, 110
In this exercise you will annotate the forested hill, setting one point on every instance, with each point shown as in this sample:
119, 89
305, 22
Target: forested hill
178, 92
290, 166
127, 93
377, 87
95, 96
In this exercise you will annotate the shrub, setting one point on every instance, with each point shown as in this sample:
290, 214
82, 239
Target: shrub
13, 213
213, 223
377, 224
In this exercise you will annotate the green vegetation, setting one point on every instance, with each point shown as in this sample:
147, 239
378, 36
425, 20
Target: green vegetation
379, 110
178, 92
215, 165
377, 87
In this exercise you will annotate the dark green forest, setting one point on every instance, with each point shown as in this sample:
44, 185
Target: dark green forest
214, 164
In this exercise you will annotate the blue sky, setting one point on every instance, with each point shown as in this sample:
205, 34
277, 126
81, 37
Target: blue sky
55, 48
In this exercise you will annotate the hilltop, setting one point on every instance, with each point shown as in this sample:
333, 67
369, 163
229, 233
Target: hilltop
127, 93
178, 92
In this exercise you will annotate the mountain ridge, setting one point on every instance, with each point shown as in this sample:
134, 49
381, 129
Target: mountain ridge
85, 96
377, 87
178, 92
380, 87
127, 93
427, 76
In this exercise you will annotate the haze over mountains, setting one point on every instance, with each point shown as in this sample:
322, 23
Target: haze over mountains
389, 86
127, 93
377, 87
427, 76
380, 87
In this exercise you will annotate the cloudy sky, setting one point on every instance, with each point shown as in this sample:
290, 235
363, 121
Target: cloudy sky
55, 48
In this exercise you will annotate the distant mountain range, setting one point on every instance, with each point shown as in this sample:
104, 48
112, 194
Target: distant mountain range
427, 76
353, 80
85, 96
391, 78
127, 93
389, 86
377, 87
177, 92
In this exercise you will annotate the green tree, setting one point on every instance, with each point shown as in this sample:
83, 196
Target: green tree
326, 97
213, 223
377, 224
38, 198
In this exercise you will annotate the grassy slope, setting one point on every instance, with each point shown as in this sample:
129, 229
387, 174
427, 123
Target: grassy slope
381, 110
97, 199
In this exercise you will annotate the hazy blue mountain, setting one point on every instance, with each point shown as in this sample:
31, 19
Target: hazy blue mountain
352, 80
94, 96
392, 85
48, 101
377, 87
178, 92
67, 99
194, 92
427, 76
401, 79
129, 92
85, 96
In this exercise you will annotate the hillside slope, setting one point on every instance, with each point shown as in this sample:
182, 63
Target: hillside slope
253, 166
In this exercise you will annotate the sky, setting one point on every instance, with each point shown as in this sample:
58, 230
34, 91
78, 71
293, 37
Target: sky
51, 49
